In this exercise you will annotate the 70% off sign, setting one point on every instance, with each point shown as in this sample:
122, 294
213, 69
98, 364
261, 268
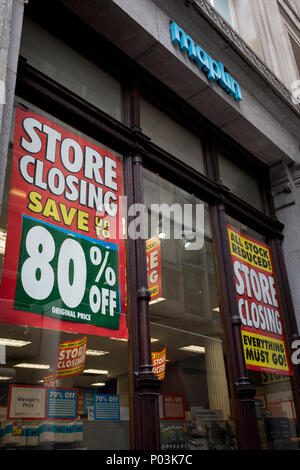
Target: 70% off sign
67, 276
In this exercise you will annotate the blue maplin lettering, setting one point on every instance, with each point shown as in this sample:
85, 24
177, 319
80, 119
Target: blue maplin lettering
214, 70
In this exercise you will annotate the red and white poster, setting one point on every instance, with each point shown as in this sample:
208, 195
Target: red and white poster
258, 305
64, 265
173, 406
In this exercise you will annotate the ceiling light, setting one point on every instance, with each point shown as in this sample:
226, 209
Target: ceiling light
26, 365
4, 378
154, 340
216, 309
95, 371
13, 342
192, 348
162, 235
96, 352
99, 384
2, 247
160, 299
120, 339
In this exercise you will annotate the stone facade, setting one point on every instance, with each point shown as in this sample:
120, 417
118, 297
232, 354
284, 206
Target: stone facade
11, 15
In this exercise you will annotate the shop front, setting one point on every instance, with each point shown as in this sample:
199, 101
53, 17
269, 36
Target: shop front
144, 301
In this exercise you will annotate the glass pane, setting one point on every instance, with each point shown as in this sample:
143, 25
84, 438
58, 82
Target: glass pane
64, 65
186, 324
223, 6
239, 182
246, 24
296, 50
263, 337
244, 229
170, 136
64, 370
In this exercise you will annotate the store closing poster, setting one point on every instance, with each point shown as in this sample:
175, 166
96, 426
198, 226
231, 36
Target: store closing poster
153, 251
64, 265
159, 363
71, 357
258, 304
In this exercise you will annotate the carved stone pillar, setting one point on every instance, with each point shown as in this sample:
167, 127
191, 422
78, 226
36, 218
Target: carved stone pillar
216, 378
285, 183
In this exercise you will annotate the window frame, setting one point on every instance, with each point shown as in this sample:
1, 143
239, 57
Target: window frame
296, 38
233, 23
291, 21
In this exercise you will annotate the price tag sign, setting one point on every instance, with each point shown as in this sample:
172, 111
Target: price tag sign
64, 264
106, 407
62, 403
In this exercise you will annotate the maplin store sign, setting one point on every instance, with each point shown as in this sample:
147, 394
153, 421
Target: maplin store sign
214, 70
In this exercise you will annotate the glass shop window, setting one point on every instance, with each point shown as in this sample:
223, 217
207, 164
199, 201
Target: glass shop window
63, 333
67, 67
187, 337
171, 136
225, 8
240, 183
295, 44
263, 336
246, 24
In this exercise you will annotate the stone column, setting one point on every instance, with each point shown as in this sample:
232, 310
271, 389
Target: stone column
286, 195
216, 378
123, 388
11, 18
286, 259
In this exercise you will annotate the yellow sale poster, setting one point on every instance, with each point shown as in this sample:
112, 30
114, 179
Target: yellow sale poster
71, 357
258, 305
159, 363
